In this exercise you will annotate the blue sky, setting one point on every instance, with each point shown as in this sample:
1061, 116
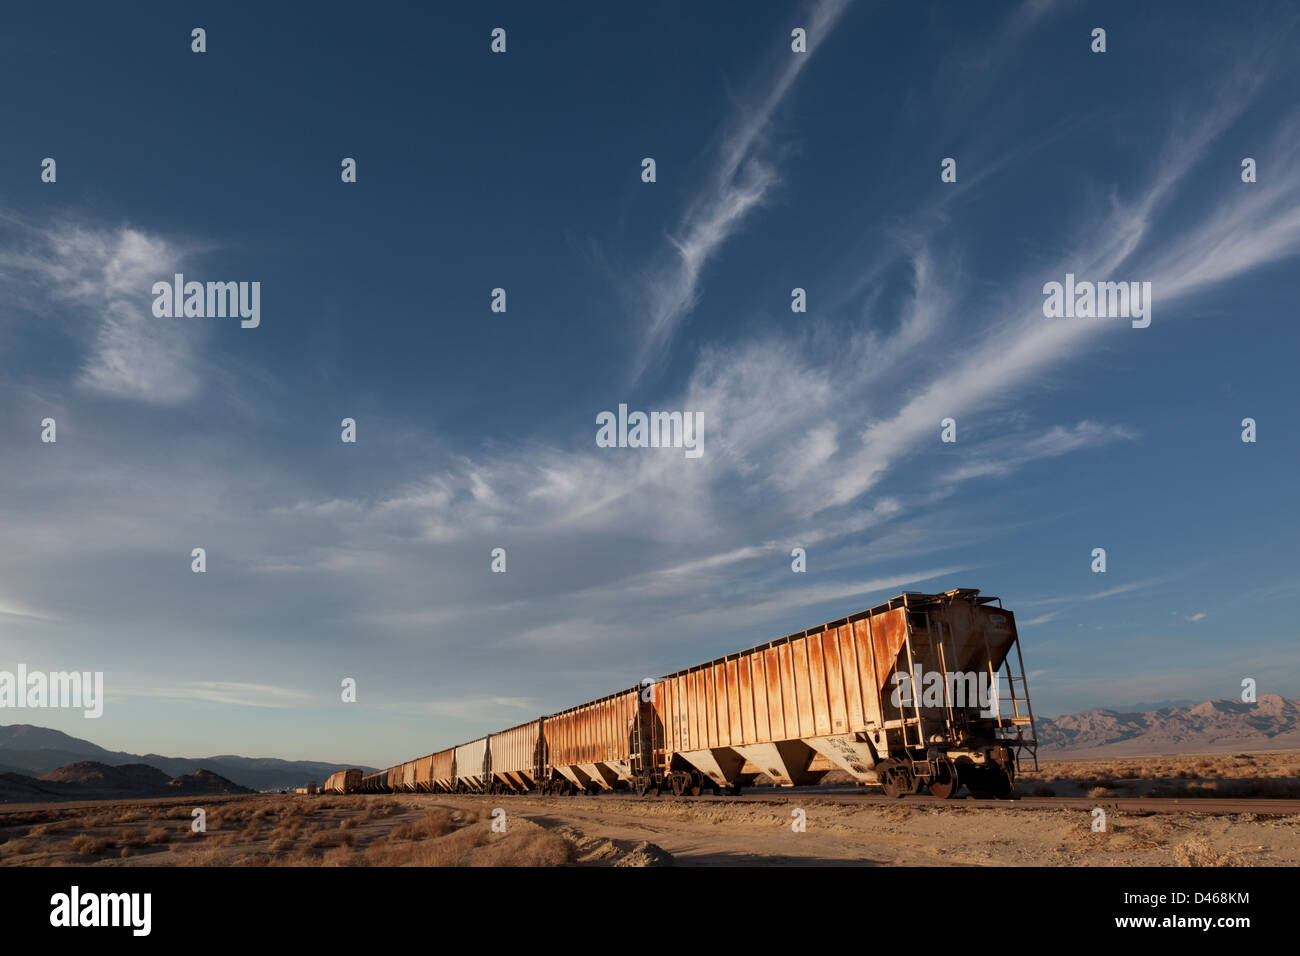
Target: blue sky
476, 429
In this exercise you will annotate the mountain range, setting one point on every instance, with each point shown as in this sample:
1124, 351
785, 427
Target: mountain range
1270, 723
34, 751
88, 780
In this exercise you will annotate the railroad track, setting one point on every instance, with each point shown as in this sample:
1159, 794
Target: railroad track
1134, 805
1214, 806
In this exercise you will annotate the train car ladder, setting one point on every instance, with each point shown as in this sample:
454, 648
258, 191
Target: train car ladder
1011, 727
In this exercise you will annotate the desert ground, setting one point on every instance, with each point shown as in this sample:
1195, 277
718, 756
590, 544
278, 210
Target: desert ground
841, 828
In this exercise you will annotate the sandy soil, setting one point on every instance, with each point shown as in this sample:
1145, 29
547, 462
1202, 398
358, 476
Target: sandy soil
875, 835
624, 830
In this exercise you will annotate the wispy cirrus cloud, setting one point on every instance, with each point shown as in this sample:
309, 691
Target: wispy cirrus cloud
236, 693
741, 179
1001, 457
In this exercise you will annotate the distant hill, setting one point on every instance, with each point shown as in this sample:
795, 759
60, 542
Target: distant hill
89, 780
88, 773
33, 751
1271, 723
204, 781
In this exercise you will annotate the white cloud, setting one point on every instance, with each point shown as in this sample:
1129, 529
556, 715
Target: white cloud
1004, 456
1036, 621
101, 279
13, 609
228, 692
741, 180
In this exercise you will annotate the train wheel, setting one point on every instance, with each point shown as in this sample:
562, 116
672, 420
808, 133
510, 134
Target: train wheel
734, 790
945, 784
679, 784
895, 779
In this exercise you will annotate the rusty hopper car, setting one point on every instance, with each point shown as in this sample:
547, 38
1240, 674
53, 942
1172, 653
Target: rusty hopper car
424, 774
444, 774
926, 691
905, 695
515, 758
588, 747
344, 781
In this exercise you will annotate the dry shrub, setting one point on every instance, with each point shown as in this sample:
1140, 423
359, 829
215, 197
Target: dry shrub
451, 850
288, 831
280, 846
88, 845
43, 829
437, 822
157, 836
382, 807
1197, 852
526, 847
15, 847
1101, 792
347, 824
405, 831
342, 856
208, 856
127, 838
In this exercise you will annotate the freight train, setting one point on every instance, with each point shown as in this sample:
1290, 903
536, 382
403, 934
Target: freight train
919, 693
